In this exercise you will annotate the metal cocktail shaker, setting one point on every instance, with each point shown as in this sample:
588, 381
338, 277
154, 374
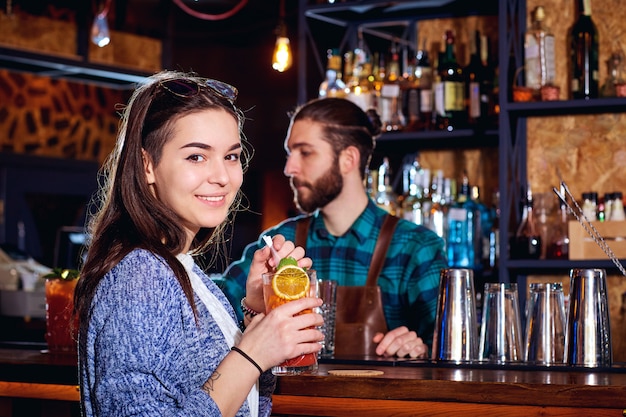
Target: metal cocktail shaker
588, 333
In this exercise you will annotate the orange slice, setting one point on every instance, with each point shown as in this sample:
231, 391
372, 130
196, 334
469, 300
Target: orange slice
290, 283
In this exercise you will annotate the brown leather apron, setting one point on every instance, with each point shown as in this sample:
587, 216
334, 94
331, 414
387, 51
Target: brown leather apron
359, 308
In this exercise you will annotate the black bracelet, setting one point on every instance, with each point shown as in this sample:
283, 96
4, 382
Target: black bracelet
247, 311
245, 355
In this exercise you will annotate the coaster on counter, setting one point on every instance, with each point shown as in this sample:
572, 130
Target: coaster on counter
354, 372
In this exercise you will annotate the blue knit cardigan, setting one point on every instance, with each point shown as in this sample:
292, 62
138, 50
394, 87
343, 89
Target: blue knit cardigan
144, 354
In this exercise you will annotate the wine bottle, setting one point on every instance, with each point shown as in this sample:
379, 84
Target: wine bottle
424, 77
584, 54
474, 78
450, 92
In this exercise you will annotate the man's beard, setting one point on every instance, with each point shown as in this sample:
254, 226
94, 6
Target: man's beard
323, 191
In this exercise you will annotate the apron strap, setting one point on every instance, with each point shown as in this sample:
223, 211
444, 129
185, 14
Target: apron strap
380, 250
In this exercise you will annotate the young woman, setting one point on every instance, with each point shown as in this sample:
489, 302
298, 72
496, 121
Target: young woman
157, 337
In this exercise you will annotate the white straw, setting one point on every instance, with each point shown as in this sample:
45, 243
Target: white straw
268, 242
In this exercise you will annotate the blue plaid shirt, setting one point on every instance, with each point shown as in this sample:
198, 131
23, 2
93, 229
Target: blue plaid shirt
409, 280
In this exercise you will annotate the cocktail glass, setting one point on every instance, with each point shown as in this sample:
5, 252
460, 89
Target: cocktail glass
302, 363
61, 330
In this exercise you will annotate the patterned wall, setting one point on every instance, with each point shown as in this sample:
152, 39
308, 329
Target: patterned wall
57, 118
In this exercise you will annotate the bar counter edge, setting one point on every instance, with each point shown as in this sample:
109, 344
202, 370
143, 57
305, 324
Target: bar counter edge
400, 388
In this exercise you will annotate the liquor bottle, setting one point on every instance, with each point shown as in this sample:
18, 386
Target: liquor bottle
441, 197
490, 89
539, 63
615, 84
494, 234
424, 80
379, 71
359, 86
412, 203
450, 92
526, 244
486, 220
410, 93
463, 239
476, 106
584, 54
390, 111
333, 85
385, 196
559, 241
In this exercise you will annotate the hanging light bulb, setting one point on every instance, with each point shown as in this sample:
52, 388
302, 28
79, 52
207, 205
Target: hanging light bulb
282, 58
100, 28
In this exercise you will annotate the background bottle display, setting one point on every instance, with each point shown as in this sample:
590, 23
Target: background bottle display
584, 70
526, 243
463, 241
412, 204
539, 63
333, 85
359, 86
450, 91
409, 92
475, 75
441, 197
390, 111
615, 84
385, 196
490, 86
424, 79
559, 241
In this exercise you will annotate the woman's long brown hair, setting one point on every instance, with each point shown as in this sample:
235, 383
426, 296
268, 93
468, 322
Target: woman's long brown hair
126, 213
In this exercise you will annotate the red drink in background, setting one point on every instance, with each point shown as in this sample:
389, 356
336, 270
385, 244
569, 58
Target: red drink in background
61, 331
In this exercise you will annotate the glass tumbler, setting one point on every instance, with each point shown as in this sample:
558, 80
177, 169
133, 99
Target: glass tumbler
500, 337
545, 325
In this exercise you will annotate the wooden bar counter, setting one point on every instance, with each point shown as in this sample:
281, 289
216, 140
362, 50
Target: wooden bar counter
405, 388
424, 388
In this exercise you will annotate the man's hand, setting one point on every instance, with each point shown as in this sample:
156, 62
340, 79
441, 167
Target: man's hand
400, 342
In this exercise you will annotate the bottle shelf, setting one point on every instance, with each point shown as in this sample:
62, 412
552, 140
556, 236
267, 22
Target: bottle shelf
567, 107
376, 10
433, 139
543, 266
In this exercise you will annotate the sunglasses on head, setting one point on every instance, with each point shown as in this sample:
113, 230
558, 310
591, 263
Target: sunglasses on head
185, 88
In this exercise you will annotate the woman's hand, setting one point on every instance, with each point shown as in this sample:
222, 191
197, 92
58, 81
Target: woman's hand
263, 262
283, 333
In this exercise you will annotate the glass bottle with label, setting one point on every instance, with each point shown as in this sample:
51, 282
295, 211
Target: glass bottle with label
333, 85
615, 84
441, 198
390, 110
385, 196
359, 87
539, 63
412, 204
559, 242
584, 54
450, 91
463, 238
409, 92
474, 79
526, 244
424, 79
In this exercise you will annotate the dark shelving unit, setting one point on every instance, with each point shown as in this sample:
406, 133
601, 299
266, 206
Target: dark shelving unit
510, 136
